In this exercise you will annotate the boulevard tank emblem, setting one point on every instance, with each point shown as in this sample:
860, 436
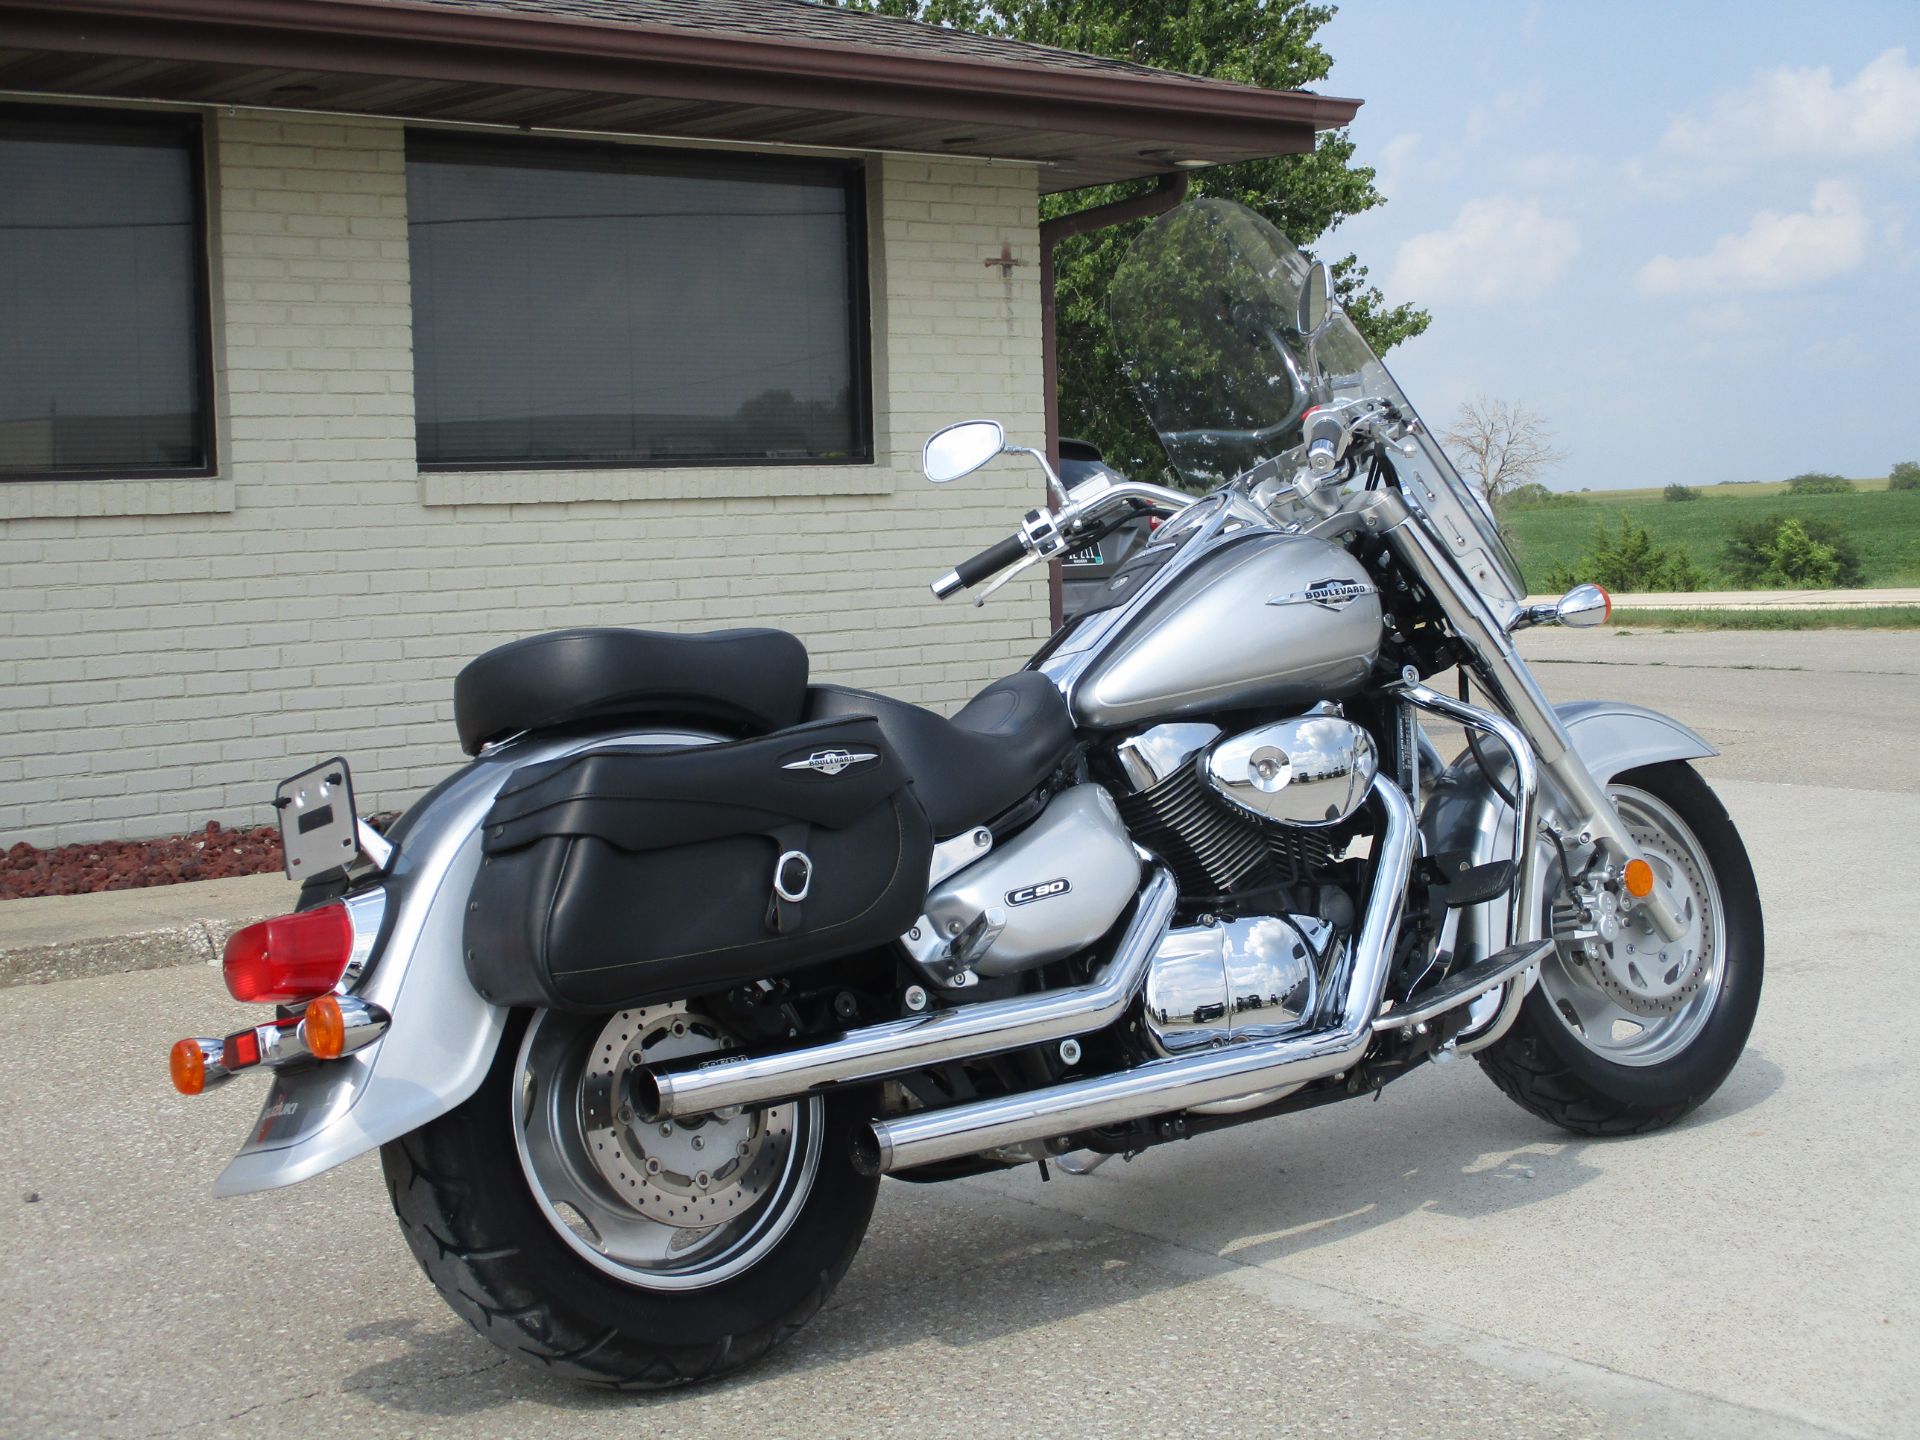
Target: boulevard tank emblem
1327, 594
831, 762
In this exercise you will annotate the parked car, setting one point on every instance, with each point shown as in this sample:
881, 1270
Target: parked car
1084, 573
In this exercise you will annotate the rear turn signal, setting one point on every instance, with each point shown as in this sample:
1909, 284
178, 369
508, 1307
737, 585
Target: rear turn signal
189, 1067
325, 1029
292, 958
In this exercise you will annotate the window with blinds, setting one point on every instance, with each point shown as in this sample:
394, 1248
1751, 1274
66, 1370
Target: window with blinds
580, 304
104, 352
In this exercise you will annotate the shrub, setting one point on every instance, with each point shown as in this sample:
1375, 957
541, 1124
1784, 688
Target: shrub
1629, 561
1680, 492
1783, 551
1905, 476
1533, 493
1817, 484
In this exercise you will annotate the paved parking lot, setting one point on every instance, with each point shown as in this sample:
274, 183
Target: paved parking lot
1436, 1263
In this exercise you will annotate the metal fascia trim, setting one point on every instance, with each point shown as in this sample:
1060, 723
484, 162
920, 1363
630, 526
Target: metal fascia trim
505, 48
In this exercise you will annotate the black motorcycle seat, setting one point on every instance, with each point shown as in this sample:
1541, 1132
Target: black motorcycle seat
967, 770
742, 681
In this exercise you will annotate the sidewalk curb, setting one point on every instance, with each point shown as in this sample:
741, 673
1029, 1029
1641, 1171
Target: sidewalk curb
197, 942
75, 937
1757, 599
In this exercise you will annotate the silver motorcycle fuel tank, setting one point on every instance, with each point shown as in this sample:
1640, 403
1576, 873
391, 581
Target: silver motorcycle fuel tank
1265, 620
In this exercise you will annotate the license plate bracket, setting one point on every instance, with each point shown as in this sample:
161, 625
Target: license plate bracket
319, 828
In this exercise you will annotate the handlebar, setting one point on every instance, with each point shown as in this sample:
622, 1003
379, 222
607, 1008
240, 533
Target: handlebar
975, 568
1046, 536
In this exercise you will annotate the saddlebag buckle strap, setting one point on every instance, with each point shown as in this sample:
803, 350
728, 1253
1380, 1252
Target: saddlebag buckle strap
793, 876
792, 879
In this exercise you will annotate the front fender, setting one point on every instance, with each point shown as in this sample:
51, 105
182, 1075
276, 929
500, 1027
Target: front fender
441, 1042
1463, 813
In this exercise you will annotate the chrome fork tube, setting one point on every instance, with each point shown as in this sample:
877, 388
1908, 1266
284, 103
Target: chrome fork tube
896, 1046
1162, 1086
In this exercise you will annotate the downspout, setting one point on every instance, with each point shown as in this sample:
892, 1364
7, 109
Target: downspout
1168, 191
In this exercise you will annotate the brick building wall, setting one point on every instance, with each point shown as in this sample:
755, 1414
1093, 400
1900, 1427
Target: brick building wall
170, 649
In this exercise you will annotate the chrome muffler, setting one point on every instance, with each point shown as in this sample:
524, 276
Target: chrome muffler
1161, 1087
919, 1041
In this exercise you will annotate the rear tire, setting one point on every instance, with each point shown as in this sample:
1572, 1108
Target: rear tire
1592, 1084
468, 1209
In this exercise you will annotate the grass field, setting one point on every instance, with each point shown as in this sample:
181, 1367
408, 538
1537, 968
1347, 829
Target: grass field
1884, 523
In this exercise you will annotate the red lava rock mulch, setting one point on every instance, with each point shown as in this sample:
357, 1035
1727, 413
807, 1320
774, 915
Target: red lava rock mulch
210, 854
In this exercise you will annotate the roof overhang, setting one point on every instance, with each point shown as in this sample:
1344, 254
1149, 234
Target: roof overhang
556, 72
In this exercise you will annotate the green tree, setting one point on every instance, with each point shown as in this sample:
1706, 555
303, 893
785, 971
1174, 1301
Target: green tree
1678, 492
1819, 484
1269, 43
1629, 561
1905, 476
1784, 551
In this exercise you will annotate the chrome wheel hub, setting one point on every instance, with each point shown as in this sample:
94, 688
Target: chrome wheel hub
691, 1173
670, 1205
1628, 995
1637, 968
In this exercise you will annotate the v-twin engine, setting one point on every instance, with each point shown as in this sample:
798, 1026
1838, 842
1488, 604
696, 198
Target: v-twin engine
1247, 811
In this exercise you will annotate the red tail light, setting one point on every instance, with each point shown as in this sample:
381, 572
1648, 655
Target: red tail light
295, 957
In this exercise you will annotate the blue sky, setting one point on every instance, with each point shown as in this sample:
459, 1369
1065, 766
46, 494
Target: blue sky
1687, 234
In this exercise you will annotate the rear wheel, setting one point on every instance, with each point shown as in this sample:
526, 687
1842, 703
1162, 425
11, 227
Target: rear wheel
1627, 1036
617, 1252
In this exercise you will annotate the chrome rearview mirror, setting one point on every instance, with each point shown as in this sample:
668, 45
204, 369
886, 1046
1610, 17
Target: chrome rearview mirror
1582, 606
1316, 309
961, 449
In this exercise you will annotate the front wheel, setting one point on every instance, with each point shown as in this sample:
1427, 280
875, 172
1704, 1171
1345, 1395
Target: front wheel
616, 1252
1626, 1037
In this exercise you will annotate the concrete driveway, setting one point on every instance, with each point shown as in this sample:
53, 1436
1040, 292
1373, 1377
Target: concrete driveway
1436, 1263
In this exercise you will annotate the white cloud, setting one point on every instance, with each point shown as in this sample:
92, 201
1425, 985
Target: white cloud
1775, 252
1496, 248
1792, 111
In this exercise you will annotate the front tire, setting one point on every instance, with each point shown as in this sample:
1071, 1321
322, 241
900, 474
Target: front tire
520, 1207
1611, 1049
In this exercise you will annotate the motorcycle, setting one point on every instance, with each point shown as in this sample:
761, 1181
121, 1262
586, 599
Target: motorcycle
640, 1005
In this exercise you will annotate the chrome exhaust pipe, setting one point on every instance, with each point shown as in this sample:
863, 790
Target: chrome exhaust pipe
897, 1046
1160, 1087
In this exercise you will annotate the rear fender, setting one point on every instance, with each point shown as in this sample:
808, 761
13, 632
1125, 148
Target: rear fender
443, 1035
1464, 813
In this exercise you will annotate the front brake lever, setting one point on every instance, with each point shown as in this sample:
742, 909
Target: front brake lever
1032, 559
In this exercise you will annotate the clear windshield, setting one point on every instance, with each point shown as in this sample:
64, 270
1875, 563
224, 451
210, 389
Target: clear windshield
1206, 314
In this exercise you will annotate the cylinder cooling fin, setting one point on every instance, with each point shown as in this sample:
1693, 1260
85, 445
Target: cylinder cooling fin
1211, 847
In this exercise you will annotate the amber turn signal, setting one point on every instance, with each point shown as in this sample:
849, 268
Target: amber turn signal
325, 1028
189, 1067
1639, 878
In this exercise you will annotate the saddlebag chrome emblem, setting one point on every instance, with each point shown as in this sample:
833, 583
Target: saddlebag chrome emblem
831, 762
1327, 594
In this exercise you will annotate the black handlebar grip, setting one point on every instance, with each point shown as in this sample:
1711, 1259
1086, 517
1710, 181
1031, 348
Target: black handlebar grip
975, 568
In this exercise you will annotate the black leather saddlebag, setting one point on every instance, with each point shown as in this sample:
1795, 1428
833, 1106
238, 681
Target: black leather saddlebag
624, 876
